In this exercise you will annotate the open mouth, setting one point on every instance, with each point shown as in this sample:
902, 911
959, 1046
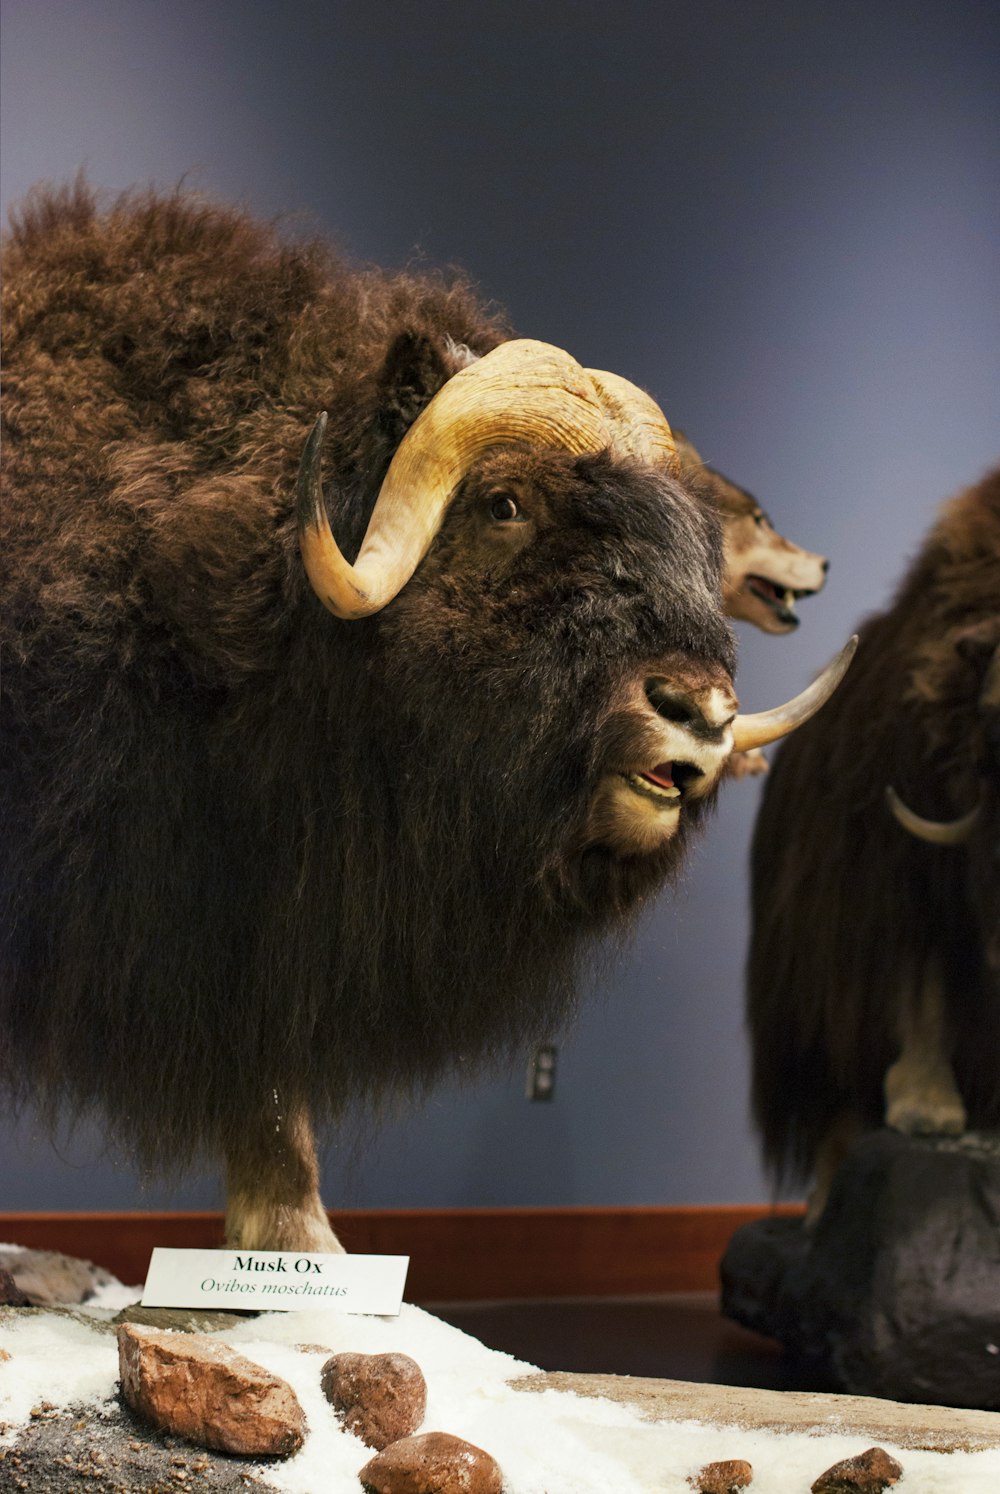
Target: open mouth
666, 784
780, 599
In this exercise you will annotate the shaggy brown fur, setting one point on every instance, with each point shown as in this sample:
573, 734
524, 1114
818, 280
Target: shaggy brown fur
854, 921
257, 859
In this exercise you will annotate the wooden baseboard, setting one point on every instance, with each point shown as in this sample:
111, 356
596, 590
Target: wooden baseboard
456, 1255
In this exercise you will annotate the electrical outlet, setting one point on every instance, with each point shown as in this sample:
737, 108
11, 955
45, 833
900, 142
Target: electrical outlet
542, 1073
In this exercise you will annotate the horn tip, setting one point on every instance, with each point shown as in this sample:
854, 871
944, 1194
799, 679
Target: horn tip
841, 662
309, 492
317, 434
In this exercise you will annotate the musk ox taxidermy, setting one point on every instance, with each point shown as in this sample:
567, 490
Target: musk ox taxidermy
874, 972
331, 742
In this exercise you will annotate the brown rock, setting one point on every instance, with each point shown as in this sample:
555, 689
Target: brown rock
723, 1478
202, 1390
433, 1463
378, 1397
3, 1355
868, 1473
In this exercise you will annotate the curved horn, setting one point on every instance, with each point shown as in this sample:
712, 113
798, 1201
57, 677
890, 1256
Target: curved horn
640, 428
768, 726
935, 832
521, 391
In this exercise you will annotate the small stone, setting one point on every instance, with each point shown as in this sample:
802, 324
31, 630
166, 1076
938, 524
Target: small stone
10, 1293
378, 1397
723, 1478
202, 1390
3, 1355
868, 1473
433, 1463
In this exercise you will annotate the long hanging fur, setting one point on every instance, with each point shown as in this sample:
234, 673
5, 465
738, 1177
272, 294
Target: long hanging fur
251, 849
848, 909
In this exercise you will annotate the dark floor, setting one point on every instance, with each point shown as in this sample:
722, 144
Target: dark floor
677, 1337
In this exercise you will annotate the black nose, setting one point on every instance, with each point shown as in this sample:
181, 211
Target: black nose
682, 710
826, 566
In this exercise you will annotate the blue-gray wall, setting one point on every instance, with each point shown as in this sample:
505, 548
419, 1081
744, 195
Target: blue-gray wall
780, 218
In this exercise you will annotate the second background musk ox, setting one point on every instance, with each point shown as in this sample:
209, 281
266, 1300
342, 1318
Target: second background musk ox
261, 860
874, 979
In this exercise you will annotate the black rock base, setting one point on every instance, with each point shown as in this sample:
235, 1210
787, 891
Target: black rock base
896, 1290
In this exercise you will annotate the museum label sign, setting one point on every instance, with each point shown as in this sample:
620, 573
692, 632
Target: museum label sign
275, 1281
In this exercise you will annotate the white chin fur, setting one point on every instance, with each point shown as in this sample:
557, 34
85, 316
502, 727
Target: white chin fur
632, 821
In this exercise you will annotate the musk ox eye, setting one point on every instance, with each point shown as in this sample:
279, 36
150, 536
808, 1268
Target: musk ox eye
504, 508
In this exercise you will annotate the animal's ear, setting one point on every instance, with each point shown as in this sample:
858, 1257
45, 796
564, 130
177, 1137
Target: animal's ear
415, 368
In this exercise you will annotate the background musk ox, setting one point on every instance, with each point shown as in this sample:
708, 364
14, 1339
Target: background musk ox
874, 977
259, 860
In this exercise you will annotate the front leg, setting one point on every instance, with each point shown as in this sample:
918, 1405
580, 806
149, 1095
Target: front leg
922, 1098
272, 1188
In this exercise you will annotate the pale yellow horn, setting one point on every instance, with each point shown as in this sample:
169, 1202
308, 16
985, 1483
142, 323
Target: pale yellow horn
640, 428
769, 726
935, 832
521, 391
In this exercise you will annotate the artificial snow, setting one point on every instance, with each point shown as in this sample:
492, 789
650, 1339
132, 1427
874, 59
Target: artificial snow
56, 1360
548, 1442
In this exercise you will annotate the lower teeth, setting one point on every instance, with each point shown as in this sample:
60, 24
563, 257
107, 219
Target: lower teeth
655, 788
